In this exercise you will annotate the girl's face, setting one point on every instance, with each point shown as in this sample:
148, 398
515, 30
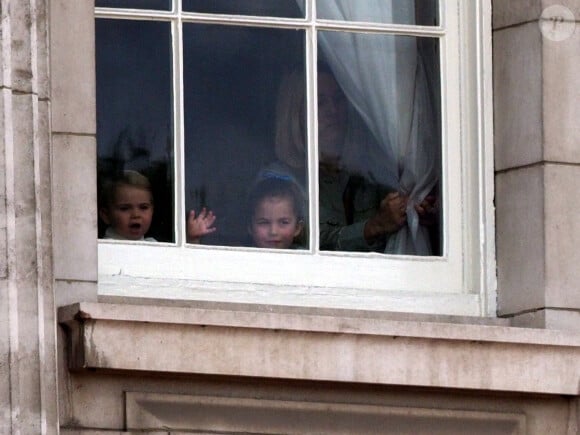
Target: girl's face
332, 117
275, 224
130, 213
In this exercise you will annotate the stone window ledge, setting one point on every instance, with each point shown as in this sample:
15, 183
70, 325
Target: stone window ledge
338, 346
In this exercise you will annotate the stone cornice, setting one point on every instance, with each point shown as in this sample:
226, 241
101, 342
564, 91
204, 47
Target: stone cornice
176, 340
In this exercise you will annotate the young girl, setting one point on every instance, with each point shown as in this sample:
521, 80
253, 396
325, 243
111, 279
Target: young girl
276, 213
127, 209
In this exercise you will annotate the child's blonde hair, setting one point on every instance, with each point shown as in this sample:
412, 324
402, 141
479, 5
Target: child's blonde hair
125, 178
290, 137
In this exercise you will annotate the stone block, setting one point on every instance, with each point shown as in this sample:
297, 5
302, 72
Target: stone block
21, 66
562, 228
511, 12
561, 82
74, 207
146, 411
73, 66
517, 82
573, 5
564, 320
42, 47
520, 234
508, 13
68, 292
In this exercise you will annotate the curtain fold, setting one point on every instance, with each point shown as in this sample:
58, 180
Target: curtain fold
384, 78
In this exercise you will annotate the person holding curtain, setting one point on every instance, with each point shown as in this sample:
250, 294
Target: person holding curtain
356, 213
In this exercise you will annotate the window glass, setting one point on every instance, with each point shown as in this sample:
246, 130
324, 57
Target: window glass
279, 8
134, 119
359, 121
421, 12
232, 79
134, 4
379, 143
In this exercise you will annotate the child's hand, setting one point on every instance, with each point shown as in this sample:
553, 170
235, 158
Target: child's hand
199, 226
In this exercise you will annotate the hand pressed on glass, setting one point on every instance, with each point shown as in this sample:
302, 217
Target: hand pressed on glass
200, 225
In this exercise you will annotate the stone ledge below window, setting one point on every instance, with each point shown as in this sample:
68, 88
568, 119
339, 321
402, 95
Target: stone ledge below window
309, 346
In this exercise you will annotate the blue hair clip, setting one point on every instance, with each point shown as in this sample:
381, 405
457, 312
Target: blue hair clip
271, 174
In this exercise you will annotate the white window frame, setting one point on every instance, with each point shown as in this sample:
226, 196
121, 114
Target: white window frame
460, 282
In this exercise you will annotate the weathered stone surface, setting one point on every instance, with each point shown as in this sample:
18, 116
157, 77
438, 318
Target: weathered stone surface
27, 339
520, 247
307, 347
561, 107
562, 255
72, 64
517, 96
75, 207
512, 12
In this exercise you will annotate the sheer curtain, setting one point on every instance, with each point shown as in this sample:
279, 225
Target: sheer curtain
384, 78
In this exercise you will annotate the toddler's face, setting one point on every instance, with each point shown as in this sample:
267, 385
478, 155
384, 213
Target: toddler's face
275, 224
130, 213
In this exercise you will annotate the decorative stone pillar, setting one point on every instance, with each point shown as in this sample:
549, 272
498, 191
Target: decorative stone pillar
28, 394
537, 160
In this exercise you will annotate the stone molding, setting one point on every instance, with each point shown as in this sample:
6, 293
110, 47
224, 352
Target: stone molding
28, 395
171, 340
152, 411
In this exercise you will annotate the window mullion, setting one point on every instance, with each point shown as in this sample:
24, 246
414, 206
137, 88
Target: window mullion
312, 122
178, 128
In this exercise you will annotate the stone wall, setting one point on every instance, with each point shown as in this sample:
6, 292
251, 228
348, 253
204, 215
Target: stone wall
301, 373
27, 316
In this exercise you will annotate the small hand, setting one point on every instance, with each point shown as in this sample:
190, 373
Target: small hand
199, 226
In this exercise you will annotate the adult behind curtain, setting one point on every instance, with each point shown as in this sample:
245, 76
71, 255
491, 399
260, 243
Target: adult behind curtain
356, 212
384, 79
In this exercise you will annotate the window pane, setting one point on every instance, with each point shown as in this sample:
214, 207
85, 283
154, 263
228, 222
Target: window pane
232, 77
379, 143
134, 114
279, 8
420, 12
135, 4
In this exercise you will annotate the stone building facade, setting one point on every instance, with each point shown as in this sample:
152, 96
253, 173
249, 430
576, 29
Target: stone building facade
76, 364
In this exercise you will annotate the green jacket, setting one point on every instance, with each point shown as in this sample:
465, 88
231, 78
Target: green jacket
336, 232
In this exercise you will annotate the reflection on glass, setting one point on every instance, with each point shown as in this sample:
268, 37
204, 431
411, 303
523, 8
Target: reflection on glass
135, 4
262, 8
412, 12
379, 143
232, 77
134, 123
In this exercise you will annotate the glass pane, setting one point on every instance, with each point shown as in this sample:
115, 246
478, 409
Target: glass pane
134, 124
262, 8
379, 143
413, 12
135, 4
236, 164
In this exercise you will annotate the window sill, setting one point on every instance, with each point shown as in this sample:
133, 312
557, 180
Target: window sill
321, 345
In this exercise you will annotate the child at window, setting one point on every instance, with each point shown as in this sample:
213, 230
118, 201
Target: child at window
127, 209
276, 213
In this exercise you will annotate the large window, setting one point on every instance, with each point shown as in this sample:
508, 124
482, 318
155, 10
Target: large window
302, 152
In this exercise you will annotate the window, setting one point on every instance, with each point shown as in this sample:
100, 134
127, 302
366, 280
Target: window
200, 97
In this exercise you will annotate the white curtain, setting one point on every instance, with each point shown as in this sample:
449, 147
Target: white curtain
384, 78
